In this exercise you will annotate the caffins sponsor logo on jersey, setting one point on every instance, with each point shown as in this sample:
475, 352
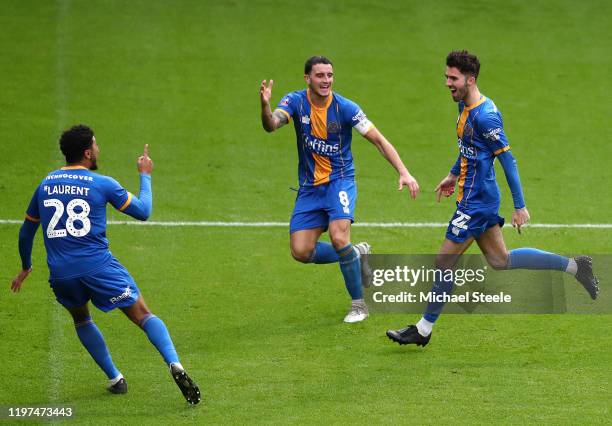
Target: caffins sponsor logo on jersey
493, 134
127, 293
468, 151
321, 147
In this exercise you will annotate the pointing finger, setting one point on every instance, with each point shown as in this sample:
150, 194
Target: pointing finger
146, 150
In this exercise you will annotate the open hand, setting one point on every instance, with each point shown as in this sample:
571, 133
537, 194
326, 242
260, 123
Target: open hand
409, 181
265, 92
19, 279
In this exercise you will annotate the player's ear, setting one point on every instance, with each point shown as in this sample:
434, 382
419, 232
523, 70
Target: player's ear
307, 78
471, 80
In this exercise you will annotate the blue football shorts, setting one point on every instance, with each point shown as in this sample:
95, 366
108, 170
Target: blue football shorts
472, 222
316, 206
108, 288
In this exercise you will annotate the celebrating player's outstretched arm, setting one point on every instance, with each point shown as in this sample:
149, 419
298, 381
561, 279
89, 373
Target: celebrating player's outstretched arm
270, 120
390, 153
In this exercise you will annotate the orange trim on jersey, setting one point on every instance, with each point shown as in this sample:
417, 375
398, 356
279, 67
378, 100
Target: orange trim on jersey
127, 203
318, 128
327, 102
480, 102
32, 219
465, 114
318, 117
322, 169
284, 112
73, 167
462, 175
499, 151
461, 123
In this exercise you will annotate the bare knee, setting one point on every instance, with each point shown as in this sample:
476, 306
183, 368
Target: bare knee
340, 241
499, 261
137, 312
79, 314
340, 235
301, 253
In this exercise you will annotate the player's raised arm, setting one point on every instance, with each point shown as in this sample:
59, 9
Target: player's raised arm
140, 207
390, 153
270, 120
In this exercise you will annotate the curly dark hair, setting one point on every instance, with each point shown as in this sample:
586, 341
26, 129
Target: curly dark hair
314, 60
75, 141
464, 61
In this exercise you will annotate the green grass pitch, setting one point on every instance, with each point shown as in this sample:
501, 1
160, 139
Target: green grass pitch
262, 334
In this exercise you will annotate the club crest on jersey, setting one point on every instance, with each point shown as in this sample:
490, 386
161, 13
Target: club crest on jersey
306, 119
468, 131
333, 127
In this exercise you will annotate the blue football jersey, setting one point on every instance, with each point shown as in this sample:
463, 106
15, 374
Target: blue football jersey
481, 137
324, 136
70, 204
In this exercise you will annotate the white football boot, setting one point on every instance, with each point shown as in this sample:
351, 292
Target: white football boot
358, 312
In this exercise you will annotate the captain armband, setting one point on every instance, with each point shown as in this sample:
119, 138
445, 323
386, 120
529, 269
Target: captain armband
364, 126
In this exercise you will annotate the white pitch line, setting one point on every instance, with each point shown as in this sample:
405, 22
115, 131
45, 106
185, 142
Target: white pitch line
220, 224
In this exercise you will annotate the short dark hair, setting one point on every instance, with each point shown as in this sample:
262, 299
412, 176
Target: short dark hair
75, 141
314, 60
464, 61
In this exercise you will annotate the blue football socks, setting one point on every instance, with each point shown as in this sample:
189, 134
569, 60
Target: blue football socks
92, 339
158, 335
323, 253
443, 284
530, 258
351, 270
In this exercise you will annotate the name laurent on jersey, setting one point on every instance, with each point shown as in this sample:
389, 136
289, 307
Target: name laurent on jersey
66, 190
